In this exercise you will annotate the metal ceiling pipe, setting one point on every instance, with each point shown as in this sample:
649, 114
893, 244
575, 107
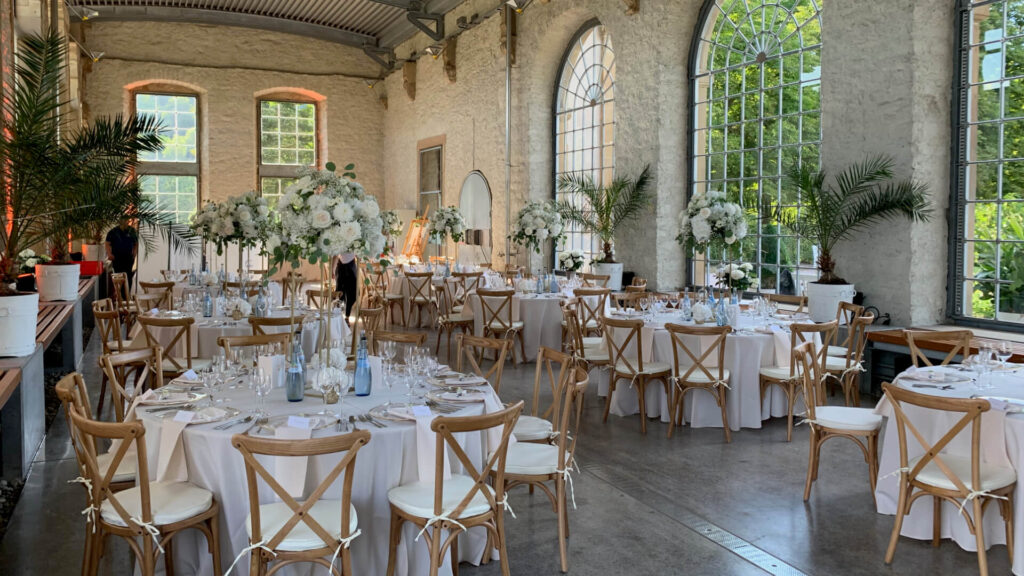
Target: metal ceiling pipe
508, 138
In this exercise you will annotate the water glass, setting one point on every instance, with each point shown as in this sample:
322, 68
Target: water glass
263, 384
1003, 352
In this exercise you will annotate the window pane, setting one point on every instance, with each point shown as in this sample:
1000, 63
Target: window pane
177, 115
175, 195
273, 188
287, 133
990, 239
585, 123
772, 124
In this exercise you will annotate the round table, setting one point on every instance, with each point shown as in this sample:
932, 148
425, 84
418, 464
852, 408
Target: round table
389, 459
748, 349
541, 315
1002, 443
206, 331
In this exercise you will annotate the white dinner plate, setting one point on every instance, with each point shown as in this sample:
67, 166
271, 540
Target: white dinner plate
205, 415
933, 377
457, 395
454, 380
316, 422
170, 398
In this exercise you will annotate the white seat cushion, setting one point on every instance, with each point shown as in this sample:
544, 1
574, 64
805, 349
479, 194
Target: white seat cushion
992, 477
781, 373
422, 300
417, 498
301, 537
197, 364
595, 355
592, 341
393, 297
847, 418
837, 351
699, 377
496, 325
457, 309
531, 459
170, 502
591, 325
458, 317
835, 364
530, 428
649, 367
125, 470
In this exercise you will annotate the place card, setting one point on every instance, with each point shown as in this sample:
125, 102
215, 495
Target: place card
154, 312
185, 416
190, 375
421, 411
300, 422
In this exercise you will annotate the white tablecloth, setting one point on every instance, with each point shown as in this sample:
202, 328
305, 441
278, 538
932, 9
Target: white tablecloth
1002, 443
206, 331
541, 317
746, 352
388, 460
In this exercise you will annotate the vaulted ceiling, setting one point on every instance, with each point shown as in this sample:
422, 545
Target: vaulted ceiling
375, 25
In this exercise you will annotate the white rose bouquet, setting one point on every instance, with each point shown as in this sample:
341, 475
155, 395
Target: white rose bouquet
239, 305
393, 225
323, 215
535, 223
708, 220
444, 222
702, 313
27, 260
736, 276
207, 224
245, 220
571, 261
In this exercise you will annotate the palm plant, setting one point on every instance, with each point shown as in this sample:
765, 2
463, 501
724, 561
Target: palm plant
601, 210
859, 196
56, 182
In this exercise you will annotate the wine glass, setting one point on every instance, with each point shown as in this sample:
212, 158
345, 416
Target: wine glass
263, 384
673, 300
325, 382
1003, 352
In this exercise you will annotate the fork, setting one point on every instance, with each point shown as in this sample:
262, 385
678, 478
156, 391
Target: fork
369, 420
231, 423
188, 406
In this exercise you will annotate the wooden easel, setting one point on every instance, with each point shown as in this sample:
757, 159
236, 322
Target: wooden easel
416, 239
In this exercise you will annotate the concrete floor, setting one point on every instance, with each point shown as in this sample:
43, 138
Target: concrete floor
691, 505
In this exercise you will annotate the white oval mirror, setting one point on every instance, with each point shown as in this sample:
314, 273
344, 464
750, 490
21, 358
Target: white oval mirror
475, 205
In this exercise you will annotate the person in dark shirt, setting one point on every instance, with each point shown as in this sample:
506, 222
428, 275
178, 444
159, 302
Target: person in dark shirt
122, 247
345, 276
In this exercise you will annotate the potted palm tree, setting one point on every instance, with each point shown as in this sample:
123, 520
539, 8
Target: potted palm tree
832, 209
50, 183
601, 210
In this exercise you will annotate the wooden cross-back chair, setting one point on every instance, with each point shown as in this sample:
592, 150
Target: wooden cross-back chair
448, 318
789, 378
860, 425
590, 306
316, 296
596, 280
411, 338
846, 370
291, 531
182, 335
108, 324
800, 302
554, 366
692, 369
121, 293
960, 340
165, 288
167, 273
535, 465
420, 295
139, 370
367, 321
631, 366
967, 482
496, 312
231, 344
472, 349
277, 325
461, 502
846, 313
286, 286
583, 349
469, 282
391, 300
147, 516
148, 301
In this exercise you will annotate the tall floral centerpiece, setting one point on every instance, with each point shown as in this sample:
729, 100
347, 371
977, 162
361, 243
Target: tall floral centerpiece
572, 262
323, 215
207, 224
736, 277
444, 222
536, 223
709, 223
249, 217
392, 227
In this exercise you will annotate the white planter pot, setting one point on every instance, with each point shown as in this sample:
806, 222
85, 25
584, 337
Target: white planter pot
612, 270
823, 299
18, 314
57, 281
92, 252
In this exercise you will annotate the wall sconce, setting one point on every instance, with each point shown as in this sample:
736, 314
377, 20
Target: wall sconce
434, 50
518, 5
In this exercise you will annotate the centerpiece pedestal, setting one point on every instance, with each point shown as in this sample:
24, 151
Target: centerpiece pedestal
611, 269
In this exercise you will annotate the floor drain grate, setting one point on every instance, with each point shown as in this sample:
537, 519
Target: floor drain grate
631, 486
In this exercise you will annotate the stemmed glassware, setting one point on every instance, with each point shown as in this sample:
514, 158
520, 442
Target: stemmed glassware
386, 349
262, 384
1003, 352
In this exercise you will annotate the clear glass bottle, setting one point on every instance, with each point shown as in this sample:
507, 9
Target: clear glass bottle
721, 314
295, 381
363, 381
260, 309
207, 303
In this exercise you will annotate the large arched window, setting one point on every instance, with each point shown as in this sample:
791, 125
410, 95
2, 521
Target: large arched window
585, 118
757, 111
987, 260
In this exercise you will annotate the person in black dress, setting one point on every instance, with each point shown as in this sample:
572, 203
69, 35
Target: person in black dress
345, 277
122, 247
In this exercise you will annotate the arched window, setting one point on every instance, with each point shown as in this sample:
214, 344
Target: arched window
756, 92
986, 267
585, 118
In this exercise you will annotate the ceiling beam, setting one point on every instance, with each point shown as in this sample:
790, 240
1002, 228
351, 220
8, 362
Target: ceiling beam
403, 29
223, 18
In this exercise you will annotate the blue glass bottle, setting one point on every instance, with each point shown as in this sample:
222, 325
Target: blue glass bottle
363, 380
260, 309
207, 303
295, 382
721, 314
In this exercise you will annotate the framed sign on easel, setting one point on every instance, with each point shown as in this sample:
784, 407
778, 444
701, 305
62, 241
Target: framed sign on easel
416, 239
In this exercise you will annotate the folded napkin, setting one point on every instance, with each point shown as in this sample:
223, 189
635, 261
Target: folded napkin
426, 445
290, 471
131, 416
492, 405
783, 346
376, 372
171, 465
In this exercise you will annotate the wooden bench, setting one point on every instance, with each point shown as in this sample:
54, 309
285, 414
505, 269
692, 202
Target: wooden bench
894, 338
52, 318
